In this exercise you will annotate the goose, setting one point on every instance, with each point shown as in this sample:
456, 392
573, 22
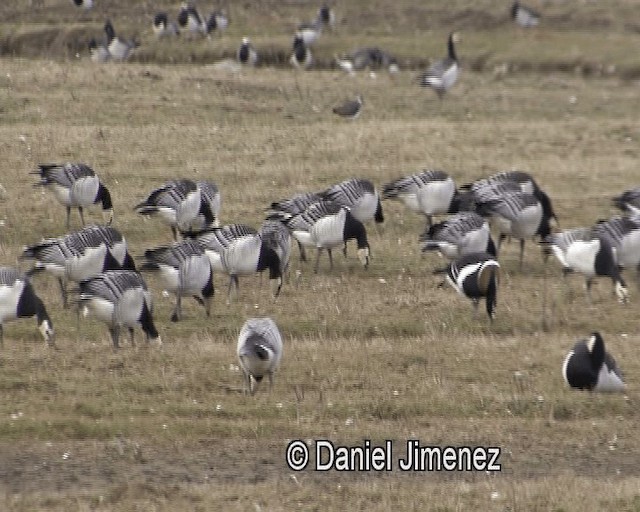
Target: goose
476, 276
524, 16
84, 4
442, 74
359, 196
79, 255
301, 57
623, 233
430, 192
310, 32
583, 251
277, 236
18, 299
210, 204
628, 201
371, 58
99, 52
518, 215
214, 240
190, 20
350, 109
589, 366
177, 203
326, 225
217, 21
119, 49
119, 298
326, 16
185, 271
162, 27
247, 53
76, 185
259, 352
460, 234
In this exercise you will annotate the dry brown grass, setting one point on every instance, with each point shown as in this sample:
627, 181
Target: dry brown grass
377, 354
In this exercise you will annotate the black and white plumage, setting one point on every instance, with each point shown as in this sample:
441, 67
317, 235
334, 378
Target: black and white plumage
259, 351
80, 255
83, 4
476, 276
277, 236
163, 27
98, 51
210, 204
628, 201
443, 74
213, 241
460, 234
327, 16
325, 225
524, 16
179, 204
19, 300
359, 196
119, 49
350, 109
310, 32
189, 19
119, 298
247, 54
582, 250
301, 57
623, 233
185, 270
76, 185
371, 58
589, 366
217, 22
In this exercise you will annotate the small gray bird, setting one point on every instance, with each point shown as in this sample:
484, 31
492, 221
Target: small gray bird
350, 109
259, 351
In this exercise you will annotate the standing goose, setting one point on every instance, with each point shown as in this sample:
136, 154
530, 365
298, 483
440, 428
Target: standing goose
326, 225
119, 298
460, 234
190, 20
185, 271
442, 74
589, 366
259, 352
246, 53
217, 22
476, 276
359, 196
524, 16
327, 16
119, 49
628, 201
350, 109
301, 57
581, 250
80, 255
162, 27
76, 185
277, 236
19, 300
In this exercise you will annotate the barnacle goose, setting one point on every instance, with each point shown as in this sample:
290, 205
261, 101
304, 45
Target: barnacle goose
327, 16
179, 204
589, 366
623, 233
442, 74
217, 21
76, 185
524, 16
185, 270
301, 57
84, 4
628, 201
99, 52
359, 196
119, 49
326, 225
80, 255
119, 298
460, 234
350, 109
476, 275
214, 240
259, 352
310, 32
210, 204
372, 58
190, 20
162, 27
582, 250
277, 236
19, 300
247, 53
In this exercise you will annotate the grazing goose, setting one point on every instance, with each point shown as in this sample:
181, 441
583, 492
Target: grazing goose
190, 20
476, 275
350, 109
442, 74
177, 203
460, 234
84, 4
76, 185
119, 49
185, 271
259, 352
119, 298
210, 203
589, 366
359, 196
518, 215
524, 16
310, 32
629, 201
19, 300
430, 192
371, 58
301, 57
99, 52
326, 225
583, 251
217, 22
162, 27
213, 241
623, 233
247, 53
80, 255
277, 236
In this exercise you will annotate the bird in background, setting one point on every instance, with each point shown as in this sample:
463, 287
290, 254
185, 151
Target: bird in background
443, 74
83, 4
259, 352
119, 49
247, 54
524, 16
350, 109
301, 57
163, 27
99, 52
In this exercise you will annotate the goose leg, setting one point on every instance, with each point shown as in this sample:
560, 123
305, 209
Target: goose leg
330, 259
177, 313
81, 214
1, 336
115, 335
270, 382
233, 280
588, 287
131, 336
521, 252
476, 303
174, 232
63, 292
303, 253
317, 265
68, 216
501, 239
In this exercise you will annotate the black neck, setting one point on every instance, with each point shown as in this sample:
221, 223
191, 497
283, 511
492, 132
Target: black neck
452, 48
269, 259
353, 228
379, 216
104, 196
146, 322
110, 263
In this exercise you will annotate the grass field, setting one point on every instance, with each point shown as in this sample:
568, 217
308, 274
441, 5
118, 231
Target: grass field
371, 354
